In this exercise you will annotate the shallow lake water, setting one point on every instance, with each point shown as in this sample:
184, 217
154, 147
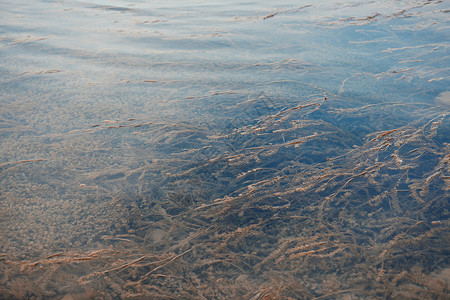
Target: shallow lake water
187, 149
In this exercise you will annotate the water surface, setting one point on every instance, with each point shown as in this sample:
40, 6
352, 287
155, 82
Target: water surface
256, 150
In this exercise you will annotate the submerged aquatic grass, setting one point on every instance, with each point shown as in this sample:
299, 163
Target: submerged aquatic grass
224, 150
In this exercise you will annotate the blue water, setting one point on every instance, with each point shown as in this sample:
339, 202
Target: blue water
261, 149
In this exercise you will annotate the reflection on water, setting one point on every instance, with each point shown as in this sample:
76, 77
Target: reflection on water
227, 150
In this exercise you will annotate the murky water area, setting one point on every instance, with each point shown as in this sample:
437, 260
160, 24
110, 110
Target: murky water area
190, 149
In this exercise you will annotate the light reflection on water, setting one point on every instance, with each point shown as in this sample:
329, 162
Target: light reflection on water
258, 149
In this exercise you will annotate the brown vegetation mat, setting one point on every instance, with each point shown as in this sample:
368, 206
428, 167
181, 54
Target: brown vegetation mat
285, 207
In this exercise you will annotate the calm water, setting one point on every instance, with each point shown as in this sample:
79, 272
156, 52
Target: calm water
224, 150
